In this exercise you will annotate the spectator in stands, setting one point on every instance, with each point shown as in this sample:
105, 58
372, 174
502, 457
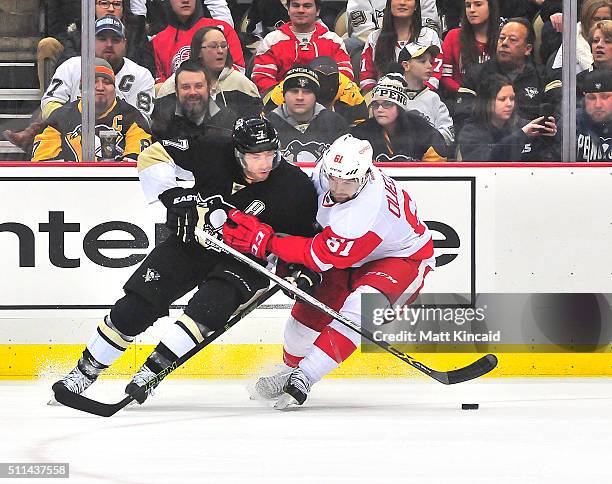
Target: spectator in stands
473, 43
592, 12
600, 39
172, 45
194, 111
298, 41
134, 83
64, 23
228, 87
496, 133
401, 27
156, 12
336, 92
365, 16
305, 128
394, 133
129, 131
416, 67
594, 121
513, 59
266, 16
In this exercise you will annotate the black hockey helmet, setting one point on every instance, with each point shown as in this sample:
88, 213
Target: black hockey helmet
254, 135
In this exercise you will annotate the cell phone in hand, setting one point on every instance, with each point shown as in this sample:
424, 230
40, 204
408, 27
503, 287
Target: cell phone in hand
548, 112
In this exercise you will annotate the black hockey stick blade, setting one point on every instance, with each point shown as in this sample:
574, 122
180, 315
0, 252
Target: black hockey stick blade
79, 402
476, 369
88, 405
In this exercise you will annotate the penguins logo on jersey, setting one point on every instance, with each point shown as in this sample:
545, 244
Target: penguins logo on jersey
73, 140
212, 214
296, 151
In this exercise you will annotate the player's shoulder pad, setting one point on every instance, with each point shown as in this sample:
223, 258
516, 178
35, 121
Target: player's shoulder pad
354, 219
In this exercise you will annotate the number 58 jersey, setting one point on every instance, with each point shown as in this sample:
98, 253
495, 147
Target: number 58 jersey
380, 222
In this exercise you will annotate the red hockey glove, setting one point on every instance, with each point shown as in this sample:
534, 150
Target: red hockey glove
246, 234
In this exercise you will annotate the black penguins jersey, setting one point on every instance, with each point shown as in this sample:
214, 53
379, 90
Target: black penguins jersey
286, 200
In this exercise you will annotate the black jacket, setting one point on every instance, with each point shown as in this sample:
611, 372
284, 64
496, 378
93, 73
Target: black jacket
481, 142
416, 141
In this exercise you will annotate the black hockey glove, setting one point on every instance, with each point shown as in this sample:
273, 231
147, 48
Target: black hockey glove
182, 215
303, 278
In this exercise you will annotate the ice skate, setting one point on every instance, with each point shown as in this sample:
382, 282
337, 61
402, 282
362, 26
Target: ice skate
141, 377
295, 390
271, 387
76, 382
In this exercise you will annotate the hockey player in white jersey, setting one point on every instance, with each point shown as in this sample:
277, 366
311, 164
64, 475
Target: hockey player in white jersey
372, 242
133, 83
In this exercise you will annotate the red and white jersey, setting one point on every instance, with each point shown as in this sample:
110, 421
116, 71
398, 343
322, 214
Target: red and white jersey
134, 84
368, 73
280, 50
380, 222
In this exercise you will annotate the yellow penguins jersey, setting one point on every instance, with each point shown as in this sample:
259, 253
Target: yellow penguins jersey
61, 138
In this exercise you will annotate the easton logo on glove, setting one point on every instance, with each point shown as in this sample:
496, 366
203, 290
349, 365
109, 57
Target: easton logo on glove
185, 198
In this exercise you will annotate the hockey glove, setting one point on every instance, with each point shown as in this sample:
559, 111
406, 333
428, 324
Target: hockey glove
246, 233
303, 278
182, 215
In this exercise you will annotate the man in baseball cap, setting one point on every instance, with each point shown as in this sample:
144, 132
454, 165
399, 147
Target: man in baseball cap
112, 24
594, 121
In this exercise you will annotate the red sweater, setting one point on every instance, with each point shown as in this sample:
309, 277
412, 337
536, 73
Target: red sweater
280, 50
453, 69
172, 46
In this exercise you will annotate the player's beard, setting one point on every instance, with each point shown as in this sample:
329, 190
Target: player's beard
194, 110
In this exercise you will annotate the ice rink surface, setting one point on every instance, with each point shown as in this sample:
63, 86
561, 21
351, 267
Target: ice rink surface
384, 431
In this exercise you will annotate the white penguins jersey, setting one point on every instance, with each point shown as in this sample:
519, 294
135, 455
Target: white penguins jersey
381, 221
133, 83
365, 16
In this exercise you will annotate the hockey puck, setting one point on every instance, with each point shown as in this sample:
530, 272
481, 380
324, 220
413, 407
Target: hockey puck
469, 406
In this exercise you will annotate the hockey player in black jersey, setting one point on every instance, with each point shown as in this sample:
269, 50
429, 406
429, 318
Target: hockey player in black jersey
247, 173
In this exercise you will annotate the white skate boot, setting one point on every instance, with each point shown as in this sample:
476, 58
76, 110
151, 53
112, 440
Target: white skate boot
271, 387
141, 377
295, 390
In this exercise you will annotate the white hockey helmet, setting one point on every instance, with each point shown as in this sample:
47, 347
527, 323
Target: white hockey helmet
348, 158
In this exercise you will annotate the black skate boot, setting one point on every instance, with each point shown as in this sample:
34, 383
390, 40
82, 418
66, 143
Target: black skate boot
295, 390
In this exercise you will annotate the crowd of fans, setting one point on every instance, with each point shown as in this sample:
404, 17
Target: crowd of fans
422, 80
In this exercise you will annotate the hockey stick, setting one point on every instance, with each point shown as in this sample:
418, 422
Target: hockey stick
85, 404
473, 370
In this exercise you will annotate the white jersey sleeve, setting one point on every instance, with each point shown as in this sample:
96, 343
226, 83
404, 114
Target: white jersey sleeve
65, 84
219, 10
136, 86
138, 7
364, 16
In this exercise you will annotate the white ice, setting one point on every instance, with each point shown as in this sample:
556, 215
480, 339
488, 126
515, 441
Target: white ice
384, 431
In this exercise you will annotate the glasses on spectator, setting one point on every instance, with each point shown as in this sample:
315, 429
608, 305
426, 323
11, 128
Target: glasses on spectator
107, 4
384, 104
215, 45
